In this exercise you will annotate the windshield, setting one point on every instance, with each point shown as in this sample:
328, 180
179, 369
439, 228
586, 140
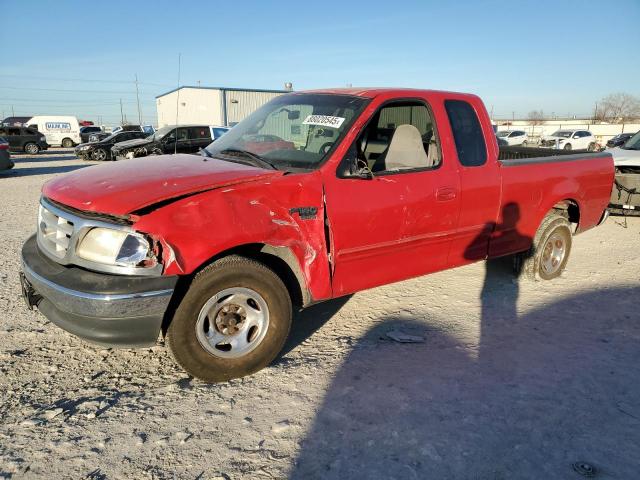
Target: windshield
296, 130
161, 132
633, 143
562, 133
504, 133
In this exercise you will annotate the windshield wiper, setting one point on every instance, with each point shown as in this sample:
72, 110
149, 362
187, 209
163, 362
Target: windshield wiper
205, 153
245, 153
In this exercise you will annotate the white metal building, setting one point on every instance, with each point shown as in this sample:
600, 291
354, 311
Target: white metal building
210, 105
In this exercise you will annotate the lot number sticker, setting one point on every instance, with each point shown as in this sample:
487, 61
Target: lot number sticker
324, 120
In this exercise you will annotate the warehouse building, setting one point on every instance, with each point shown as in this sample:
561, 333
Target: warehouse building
210, 105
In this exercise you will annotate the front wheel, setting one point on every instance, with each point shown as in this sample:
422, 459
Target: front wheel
550, 250
567, 146
591, 147
67, 143
99, 154
233, 320
525, 143
31, 148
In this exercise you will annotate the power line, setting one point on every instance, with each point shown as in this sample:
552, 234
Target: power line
66, 90
85, 80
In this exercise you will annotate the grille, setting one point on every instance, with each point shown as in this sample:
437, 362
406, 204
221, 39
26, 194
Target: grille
54, 232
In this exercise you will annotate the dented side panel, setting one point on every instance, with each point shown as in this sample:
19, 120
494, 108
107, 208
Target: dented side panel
286, 211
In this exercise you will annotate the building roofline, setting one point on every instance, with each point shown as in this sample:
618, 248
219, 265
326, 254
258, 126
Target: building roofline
260, 90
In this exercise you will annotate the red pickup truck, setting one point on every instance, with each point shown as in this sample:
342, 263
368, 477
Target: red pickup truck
361, 187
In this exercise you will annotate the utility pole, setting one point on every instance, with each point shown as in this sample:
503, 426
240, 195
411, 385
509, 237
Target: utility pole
138, 100
13, 114
121, 114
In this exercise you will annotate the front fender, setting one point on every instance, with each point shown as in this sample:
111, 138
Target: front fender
286, 211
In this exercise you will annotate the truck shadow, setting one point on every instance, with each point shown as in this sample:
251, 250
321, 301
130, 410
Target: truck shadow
309, 320
538, 393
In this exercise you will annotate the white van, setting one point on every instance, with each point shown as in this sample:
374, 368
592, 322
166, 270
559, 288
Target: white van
59, 130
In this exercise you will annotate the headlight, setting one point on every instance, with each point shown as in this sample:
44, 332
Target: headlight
114, 247
85, 147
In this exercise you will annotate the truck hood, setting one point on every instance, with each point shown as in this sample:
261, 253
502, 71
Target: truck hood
625, 158
122, 188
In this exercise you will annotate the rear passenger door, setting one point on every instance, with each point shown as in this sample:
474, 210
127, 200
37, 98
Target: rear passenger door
200, 137
480, 182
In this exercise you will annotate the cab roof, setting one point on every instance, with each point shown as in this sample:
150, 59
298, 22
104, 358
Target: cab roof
372, 92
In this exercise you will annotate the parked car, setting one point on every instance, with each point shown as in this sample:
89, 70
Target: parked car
87, 130
5, 157
130, 128
60, 130
23, 139
625, 196
170, 139
619, 140
14, 121
101, 150
215, 253
512, 138
570, 140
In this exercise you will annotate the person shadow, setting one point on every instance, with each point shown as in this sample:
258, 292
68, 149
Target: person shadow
501, 286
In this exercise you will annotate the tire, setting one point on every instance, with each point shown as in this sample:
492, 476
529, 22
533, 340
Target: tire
100, 155
229, 289
67, 143
591, 147
550, 250
567, 146
31, 148
525, 143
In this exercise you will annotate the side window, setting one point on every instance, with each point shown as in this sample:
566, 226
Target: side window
218, 132
199, 133
400, 136
467, 133
183, 134
13, 131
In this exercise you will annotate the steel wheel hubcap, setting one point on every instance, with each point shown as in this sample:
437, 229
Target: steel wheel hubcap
100, 155
233, 322
553, 253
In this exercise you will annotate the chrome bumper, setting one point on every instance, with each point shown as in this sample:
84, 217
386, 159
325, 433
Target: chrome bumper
111, 310
88, 304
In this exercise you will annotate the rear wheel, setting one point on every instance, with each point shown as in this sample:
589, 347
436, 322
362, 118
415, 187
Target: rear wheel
591, 147
233, 320
99, 154
525, 143
67, 143
31, 148
567, 146
550, 250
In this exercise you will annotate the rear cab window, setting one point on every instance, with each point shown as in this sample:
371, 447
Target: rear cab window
467, 133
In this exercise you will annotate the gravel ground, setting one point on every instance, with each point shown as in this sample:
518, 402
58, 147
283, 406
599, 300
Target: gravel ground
507, 379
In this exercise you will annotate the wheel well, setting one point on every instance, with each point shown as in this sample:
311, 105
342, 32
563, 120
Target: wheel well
278, 259
570, 210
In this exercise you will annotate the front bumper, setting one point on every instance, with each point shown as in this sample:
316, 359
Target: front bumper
110, 310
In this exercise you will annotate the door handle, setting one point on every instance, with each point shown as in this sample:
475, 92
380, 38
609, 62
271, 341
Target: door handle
445, 194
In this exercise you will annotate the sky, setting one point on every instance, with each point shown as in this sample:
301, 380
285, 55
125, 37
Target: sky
81, 58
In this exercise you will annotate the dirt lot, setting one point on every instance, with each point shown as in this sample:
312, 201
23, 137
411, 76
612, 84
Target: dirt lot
513, 379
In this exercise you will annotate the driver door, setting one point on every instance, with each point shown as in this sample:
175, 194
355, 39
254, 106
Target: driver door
399, 223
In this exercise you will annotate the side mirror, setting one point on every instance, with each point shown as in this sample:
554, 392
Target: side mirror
352, 167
